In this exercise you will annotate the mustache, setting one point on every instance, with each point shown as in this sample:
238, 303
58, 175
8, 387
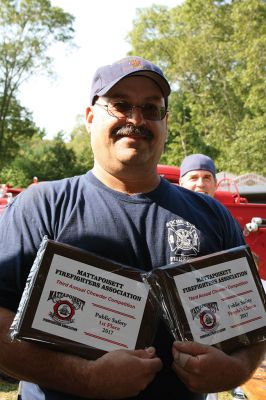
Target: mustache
128, 130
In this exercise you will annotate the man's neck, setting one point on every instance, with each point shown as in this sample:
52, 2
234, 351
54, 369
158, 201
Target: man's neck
125, 183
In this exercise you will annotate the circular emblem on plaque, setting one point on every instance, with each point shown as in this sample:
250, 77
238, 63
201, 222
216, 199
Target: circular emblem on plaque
208, 319
64, 310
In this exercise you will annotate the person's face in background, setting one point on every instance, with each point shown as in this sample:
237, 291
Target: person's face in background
199, 181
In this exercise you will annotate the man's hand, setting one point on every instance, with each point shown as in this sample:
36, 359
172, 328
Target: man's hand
115, 375
207, 369
124, 373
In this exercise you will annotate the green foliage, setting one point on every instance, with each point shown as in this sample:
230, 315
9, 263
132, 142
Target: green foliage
14, 176
183, 138
19, 129
214, 54
46, 159
49, 159
28, 28
80, 145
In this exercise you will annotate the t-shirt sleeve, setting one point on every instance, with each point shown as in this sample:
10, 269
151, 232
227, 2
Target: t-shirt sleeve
20, 236
231, 229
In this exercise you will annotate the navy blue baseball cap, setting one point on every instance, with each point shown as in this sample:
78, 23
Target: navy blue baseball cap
109, 75
196, 162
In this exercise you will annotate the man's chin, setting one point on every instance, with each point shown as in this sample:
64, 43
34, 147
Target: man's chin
130, 154
133, 161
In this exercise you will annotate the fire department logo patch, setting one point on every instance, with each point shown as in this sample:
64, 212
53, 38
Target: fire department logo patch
183, 238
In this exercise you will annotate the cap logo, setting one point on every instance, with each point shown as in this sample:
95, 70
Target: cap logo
130, 64
136, 63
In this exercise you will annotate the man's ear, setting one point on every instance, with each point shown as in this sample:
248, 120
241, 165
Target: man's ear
89, 117
167, 132
89, 114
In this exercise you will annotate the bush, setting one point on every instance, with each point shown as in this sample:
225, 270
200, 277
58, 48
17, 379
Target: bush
14, 177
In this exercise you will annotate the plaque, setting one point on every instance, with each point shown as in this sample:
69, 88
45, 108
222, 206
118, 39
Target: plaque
77, 302
216, 299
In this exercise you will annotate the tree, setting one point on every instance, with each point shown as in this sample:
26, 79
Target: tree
46, 159
49, 159
80, 145
214, 54
28, 28
14, 176
19, 129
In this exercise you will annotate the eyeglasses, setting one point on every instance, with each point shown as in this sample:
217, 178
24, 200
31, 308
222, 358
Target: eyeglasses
123, 110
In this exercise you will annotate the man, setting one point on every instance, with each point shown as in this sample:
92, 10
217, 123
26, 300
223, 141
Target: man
197, 173
121, 210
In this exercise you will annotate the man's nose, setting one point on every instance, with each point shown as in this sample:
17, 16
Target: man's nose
136, 116
200, 182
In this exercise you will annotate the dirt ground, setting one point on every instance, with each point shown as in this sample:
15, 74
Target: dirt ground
255, 388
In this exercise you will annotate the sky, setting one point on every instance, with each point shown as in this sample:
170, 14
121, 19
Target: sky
101, 27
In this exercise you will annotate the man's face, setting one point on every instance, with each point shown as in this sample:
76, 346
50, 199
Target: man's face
115, 142
199, 181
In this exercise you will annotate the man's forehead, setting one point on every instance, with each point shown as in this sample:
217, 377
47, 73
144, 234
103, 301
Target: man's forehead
199, 172
127, 97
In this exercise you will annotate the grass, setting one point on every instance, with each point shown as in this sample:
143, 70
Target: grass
225, 396
8, 391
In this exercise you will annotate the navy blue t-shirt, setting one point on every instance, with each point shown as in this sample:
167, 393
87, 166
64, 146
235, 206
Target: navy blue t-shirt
144, 231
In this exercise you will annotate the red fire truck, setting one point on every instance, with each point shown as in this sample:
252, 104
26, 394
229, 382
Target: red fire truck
6, 195
251, 216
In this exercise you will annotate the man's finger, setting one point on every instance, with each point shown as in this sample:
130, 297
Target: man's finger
181, 359
149, 352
